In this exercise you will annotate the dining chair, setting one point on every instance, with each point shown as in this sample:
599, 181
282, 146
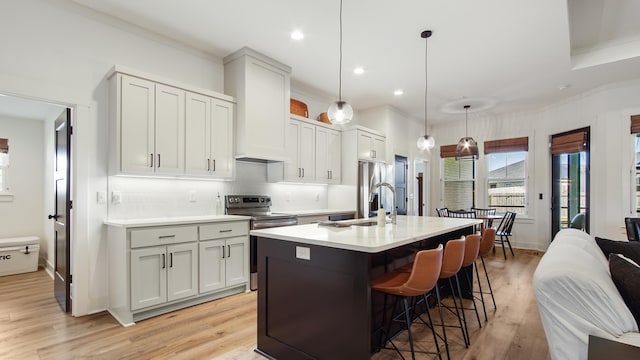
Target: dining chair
633, 228
442, 212
486, 216
503, 231
462, 214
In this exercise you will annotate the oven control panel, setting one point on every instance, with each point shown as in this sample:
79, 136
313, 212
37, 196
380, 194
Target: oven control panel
247, 201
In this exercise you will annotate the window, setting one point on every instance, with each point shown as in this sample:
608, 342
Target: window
506, 181
4, 165
507, 174
459, 183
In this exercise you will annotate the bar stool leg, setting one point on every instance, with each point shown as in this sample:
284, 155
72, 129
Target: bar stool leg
433, 331
407, 318
481, 292
455, 304
444, 330
486, 274
465, 331
473, 299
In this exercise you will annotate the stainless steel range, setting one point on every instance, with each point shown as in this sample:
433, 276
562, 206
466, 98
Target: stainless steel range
259, 208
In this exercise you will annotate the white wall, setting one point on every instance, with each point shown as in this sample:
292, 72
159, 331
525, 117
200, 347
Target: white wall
23, 216
62, 52
606, 111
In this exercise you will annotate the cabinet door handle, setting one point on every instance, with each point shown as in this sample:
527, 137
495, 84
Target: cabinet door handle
228, 251
214, 164
299, 172
302, 172
171, 260
166, 236
208, 164
158, 160
151, 161
226, 230
164, 262
222, 247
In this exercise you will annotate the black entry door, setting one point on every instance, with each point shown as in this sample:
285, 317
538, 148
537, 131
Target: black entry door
570, 158
62, 278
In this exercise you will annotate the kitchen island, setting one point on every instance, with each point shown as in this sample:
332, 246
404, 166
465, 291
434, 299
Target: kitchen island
314, 300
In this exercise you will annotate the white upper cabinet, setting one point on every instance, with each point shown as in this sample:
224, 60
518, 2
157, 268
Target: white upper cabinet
159, 127
169, 130
371, 146
136, 103
328, 155
262, 88
209, 137
300, 142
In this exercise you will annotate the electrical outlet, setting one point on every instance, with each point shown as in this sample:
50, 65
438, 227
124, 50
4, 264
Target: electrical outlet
116, 197
192, 196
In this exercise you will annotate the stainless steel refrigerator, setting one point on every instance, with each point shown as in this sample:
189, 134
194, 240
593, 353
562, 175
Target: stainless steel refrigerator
369, 174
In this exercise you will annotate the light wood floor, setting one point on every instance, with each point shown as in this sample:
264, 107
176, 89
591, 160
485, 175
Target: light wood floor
32, 326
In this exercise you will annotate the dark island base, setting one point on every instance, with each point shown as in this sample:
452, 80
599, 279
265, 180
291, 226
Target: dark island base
322, 308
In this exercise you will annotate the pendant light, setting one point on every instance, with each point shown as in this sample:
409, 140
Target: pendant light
425, 142
467, 147
340, 112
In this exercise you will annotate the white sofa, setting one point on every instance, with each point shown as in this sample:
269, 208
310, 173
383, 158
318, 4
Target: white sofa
577, 298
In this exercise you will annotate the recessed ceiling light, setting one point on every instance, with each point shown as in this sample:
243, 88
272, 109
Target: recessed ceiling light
359, 70
297, 35
398, 92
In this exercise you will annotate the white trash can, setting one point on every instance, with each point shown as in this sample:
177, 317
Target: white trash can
19, 255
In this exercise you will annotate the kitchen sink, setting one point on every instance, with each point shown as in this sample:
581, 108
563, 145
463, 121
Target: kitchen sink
367, 223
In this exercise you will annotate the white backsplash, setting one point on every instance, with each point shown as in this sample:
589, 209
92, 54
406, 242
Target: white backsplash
151, 197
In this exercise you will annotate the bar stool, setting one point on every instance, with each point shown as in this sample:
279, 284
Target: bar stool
471, 249
408, 285
451, 264
486, 244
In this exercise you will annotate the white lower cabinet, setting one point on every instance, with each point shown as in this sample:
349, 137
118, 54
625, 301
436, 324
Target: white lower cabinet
223, 263
161, 268
163, 273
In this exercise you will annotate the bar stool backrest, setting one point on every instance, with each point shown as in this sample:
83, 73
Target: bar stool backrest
487, 242
471, 248
483, 212
442, 212
452, 258
425, 272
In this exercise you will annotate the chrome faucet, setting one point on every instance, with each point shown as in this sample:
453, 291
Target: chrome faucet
393, 199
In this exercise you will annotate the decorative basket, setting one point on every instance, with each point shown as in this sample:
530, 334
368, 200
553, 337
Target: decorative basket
324, 118
299, 108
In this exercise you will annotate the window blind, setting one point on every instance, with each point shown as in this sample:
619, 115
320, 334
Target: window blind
569, 143
635, 124
447, 151
506, 145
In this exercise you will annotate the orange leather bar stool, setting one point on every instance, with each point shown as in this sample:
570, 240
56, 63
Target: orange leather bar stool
451, 264
486, 244
408, 285
471, 248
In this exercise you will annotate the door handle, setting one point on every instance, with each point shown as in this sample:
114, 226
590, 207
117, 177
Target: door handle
55, 217
214, 164
228, 251
208, 164
151, 161
171, 260
164, 261
158, 160
222, 251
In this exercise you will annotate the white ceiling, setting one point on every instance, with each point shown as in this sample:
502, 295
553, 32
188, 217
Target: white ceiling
517, 54
20, 108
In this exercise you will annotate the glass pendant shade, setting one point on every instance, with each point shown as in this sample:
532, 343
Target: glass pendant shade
340, 112
467, 147
426, 142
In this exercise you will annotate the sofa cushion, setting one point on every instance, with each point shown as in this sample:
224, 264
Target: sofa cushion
630, 249
626, 276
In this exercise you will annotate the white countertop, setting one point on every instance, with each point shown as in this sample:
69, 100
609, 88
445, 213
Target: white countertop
371, 239
127, 223
313, 212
